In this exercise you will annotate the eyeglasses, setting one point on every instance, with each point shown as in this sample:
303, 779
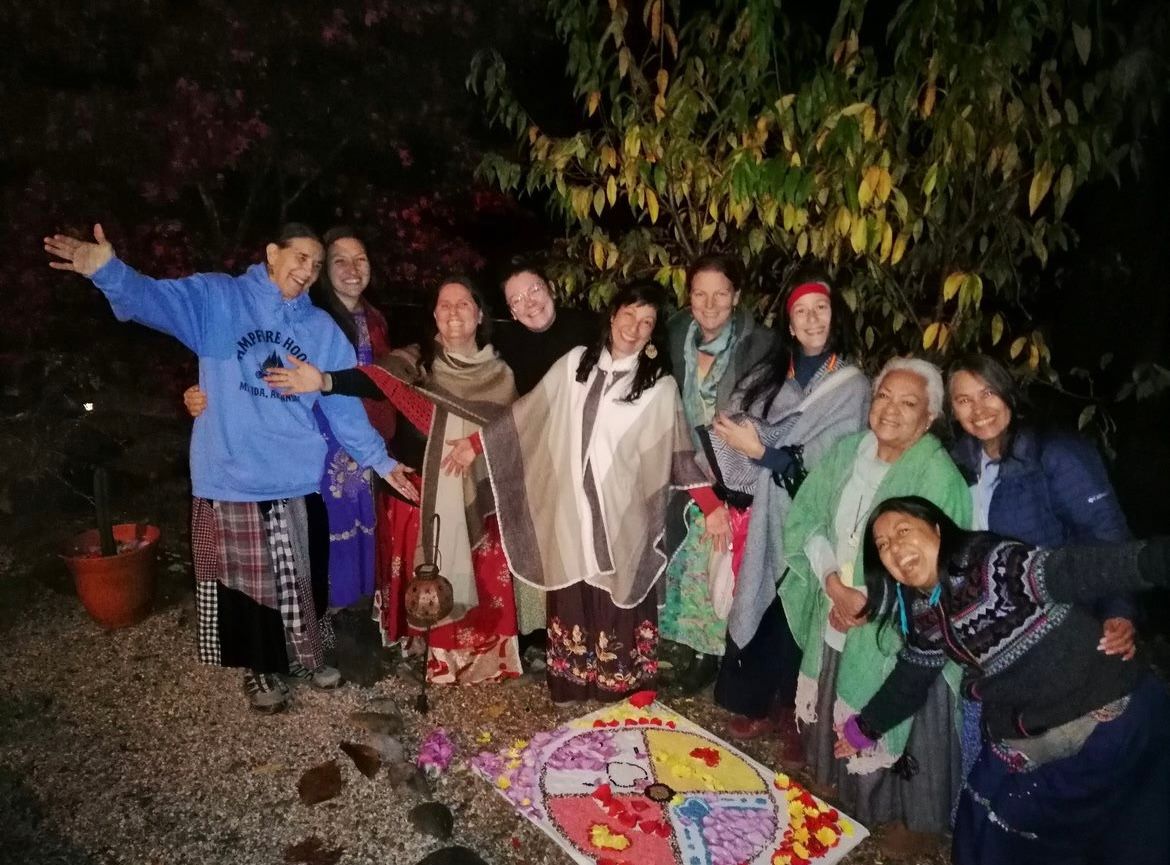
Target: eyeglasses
533, 292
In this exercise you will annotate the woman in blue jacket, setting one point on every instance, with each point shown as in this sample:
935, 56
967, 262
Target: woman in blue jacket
1045, 488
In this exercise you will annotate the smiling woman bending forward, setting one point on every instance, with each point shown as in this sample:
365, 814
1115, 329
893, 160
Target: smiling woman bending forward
1075, 767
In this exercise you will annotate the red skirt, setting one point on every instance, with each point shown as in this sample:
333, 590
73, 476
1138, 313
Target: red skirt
481, 646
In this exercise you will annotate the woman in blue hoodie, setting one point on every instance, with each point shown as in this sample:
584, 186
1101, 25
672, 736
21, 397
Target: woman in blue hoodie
259, 535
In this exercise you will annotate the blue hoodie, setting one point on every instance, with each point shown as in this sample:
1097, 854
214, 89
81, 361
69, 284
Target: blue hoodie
252, 443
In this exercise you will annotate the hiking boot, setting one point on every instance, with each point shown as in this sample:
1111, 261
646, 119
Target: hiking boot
323, 678
897, 841
266, 693
790, 753
742, 728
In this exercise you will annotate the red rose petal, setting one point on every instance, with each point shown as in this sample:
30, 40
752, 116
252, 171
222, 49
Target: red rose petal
642, 699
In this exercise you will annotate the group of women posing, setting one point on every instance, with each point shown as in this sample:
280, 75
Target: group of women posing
750, 494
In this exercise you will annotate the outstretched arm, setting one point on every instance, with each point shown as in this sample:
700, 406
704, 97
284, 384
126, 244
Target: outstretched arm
80, 256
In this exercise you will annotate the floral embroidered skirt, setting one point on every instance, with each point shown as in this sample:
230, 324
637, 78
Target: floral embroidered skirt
1106, 803
349, 500
481, 646
597, 650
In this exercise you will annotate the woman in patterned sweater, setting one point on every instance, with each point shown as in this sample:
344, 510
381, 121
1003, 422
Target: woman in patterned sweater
1075, 766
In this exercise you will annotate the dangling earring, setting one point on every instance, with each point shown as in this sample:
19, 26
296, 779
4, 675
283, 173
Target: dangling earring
904, 620
651, 350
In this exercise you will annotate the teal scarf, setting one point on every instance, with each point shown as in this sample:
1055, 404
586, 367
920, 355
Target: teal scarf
699, 392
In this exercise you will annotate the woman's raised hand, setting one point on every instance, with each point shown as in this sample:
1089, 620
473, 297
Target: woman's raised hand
80, 256
459, 459
301, 377
740, 435
195, 400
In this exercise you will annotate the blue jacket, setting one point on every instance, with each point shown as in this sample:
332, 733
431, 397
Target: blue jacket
1053, 490
252, 443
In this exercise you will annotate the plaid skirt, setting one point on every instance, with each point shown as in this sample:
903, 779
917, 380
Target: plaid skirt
261, 581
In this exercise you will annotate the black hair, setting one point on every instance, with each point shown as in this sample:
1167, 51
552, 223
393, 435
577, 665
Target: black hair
324, 294
483, 333
290, 231
520, 264
764, 381
881, 588
728, 265
643, 292
1003, 384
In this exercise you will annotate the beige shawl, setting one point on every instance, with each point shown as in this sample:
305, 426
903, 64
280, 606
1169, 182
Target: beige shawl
572, 509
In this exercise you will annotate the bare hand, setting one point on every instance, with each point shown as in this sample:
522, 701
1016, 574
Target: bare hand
194, 400
459, 459
842, 749
740, 435
80, 256
718, 528
847, 604
399, 478
301, 377
1118, 638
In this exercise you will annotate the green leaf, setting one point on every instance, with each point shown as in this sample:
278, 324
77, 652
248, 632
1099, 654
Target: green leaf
1083, 39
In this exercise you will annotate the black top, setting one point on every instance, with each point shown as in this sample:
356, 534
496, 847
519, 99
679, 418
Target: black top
531, 354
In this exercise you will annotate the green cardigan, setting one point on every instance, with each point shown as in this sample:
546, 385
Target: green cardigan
926, 470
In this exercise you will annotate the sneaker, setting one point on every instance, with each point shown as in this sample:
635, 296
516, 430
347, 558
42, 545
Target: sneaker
266, 693
323, 678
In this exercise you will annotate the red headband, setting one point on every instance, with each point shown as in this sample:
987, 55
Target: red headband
803, 289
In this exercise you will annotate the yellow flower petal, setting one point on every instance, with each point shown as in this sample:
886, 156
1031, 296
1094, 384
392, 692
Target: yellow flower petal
503, 783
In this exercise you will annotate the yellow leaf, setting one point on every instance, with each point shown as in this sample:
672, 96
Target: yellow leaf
944, 334
671, 39
928, 97
608, 156
868, 122
593, 102
655, 19
598, 254
662, 79
899, 249
1041, 182
864, 192
885, 185
1033, 357
652, 204
533, 132
1017, 346
659, 108
996, 328
930, 180
611, 257
854, 109
713, 209
789, 217
930, 334
887, 242
623, 62
794, 160
952, 284
802, 244
598, 200
611, 190
844, 220
858, 236
707, 232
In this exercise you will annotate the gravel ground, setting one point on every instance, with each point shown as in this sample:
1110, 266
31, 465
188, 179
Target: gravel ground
117, 747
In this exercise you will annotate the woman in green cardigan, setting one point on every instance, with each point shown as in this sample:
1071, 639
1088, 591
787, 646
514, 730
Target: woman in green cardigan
845, 659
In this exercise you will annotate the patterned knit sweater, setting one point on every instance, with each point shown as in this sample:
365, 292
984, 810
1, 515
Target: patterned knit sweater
1018, 619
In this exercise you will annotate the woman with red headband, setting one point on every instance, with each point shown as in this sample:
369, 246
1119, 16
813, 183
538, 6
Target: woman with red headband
795, 405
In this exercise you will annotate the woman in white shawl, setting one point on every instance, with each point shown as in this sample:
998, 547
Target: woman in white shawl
582, 467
